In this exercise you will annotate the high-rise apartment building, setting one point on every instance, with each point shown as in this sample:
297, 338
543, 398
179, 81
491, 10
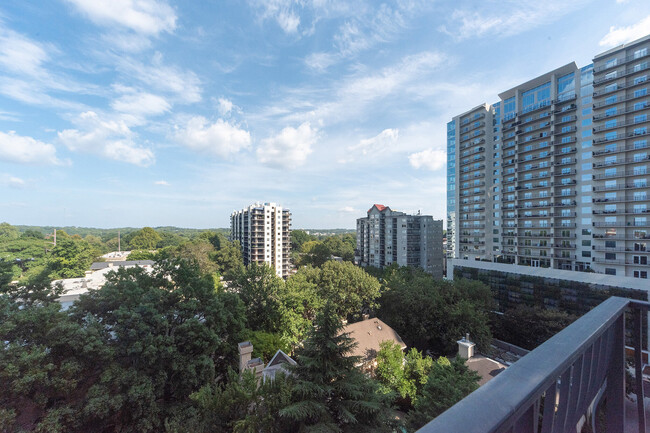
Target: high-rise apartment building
554, 174
386, 236
264, 232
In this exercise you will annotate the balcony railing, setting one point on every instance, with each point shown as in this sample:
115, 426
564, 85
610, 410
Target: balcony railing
552, 388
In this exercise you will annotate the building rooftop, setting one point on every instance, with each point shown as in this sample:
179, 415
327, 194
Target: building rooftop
486, 368
369, 334
103, 265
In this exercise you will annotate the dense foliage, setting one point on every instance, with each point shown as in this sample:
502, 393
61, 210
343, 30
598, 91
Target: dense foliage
433, 314
330, 393
124, 358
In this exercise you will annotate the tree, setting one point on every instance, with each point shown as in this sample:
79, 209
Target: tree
243, 405
298, 238
32, 234
447, 384
168, 334
529, 327
144, 239
330, 393
403, 375
266, 344
71, 257
229, 257
141, 255
432, 314
260, 290
349, 288
8, 232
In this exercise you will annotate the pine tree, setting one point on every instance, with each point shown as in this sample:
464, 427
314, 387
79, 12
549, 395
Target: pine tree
330, 393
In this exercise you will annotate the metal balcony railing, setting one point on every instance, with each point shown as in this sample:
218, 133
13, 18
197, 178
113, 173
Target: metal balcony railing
552, 388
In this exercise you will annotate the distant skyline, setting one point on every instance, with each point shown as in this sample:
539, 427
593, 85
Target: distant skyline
153, 113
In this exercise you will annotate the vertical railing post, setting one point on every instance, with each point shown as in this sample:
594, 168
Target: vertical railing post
615, 393
638, 367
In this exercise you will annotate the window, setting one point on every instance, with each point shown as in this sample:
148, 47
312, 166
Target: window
610, 271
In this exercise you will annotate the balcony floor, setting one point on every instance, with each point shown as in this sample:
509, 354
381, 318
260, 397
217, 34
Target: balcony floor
631, 423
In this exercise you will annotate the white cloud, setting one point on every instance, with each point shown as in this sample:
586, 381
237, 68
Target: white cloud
11, 181
289, 148
348, 209
161, 183
184, 85
225, 106
281, 11
220, 138
21, 55
620, 35
430, 159
26, 150
110, 139
142, 16
385, 140
510, 18
320, 61
359, 93
141, 104
288, 21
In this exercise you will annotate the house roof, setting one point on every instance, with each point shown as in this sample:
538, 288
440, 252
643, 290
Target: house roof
369, 334
280, 358
380, 207
486, 368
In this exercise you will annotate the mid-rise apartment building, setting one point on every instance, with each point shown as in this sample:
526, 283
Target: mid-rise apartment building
386, 236
554, 174
264, 232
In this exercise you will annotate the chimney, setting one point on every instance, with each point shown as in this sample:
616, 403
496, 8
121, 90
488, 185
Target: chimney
245, 351
465, 347
365, 316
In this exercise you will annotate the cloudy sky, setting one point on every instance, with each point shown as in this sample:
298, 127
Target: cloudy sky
148, 112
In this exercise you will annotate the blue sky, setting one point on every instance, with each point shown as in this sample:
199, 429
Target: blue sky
148, 112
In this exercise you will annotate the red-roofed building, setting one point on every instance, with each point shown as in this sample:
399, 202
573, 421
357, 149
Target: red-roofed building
386, 236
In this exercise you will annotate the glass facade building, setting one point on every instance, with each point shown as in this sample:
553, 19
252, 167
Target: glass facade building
554, 174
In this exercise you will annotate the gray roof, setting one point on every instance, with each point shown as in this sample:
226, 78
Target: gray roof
103, 265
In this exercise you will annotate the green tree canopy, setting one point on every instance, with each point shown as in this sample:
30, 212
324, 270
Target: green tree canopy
330, 393
432, 314
71, 257
144, 239
349, 288
8, 232
447, 384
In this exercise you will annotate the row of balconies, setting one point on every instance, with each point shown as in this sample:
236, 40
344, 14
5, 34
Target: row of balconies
621, 199
472, 143
618, 249
619, 149
641, 172
631, 237
619, 74
552, 215
617, 261
621, 136
474, 135
618, 125
621, 212
537, 205
620, 61
621, 224
630, 109
624, 98
620, 187
621, 161
619, 86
